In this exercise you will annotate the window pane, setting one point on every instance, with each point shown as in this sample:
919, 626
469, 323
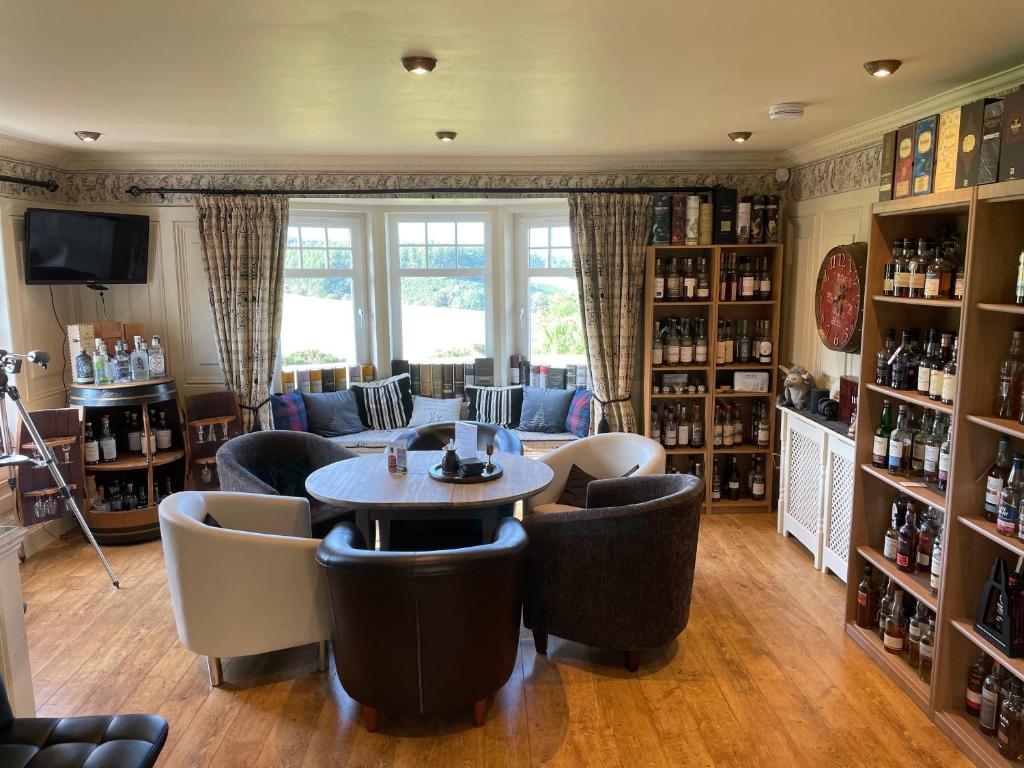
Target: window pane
556, 330
313, 237
314, 258
561, 258
340, 258
471, 257
560, 237
291, 258
538, 237
538, 257
471, 233
443, 318
293, 236
318, 324
411, 233
441, 232
339, 237
412, 257
441, 257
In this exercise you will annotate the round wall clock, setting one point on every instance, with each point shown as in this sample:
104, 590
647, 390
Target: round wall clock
839, 299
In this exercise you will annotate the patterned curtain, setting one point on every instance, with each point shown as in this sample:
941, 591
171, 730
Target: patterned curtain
243, 241
609, 238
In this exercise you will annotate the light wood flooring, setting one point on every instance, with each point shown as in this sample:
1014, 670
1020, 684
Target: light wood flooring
763, 676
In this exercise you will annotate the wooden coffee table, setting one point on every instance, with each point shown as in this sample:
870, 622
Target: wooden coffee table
379, 496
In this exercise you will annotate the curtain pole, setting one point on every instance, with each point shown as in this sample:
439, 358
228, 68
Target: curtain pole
135, 191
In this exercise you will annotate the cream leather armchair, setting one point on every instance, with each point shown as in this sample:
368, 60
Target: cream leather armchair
250, 586
603, 456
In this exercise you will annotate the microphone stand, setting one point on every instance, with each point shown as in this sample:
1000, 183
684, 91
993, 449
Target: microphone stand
10, 364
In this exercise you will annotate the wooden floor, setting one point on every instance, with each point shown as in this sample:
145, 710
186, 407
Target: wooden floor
763, 676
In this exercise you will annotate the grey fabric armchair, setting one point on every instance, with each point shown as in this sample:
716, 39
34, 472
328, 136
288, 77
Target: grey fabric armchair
278, 463
618, 574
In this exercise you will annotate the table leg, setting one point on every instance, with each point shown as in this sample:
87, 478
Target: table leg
363, 524
488, 520
385, 534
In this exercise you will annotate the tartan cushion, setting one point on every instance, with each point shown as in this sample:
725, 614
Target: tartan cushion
289, 411
577, 420
495, 405
385, 404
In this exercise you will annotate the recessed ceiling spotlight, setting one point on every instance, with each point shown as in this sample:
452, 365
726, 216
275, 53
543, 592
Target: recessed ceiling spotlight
882, 67
419, 65
88, 136
740, 136
789, 110
446, 136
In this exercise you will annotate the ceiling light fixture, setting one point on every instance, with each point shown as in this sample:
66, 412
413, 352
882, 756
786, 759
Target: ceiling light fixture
419, 65
446, 136
88, 136
788, 110
882, 67
740, 136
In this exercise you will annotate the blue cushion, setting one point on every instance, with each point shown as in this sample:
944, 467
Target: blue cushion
544, 410
333, 414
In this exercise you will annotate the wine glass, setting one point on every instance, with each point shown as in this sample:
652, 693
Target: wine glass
206, 473
67, 454
223, 430
199, 434
490, 452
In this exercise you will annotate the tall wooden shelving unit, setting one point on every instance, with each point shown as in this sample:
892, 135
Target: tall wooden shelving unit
715, 375
991, 218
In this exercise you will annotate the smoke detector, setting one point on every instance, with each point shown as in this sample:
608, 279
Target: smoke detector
790, 110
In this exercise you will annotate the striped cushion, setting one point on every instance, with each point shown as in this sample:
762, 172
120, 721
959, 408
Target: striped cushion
495, 405
385, 404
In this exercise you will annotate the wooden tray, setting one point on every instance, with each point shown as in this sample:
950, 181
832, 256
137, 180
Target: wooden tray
484, 477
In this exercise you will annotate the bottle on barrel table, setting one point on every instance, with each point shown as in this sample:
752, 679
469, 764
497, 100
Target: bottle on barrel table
867, 601
976, 675
894, 637
996, 479
900, 445
906, 545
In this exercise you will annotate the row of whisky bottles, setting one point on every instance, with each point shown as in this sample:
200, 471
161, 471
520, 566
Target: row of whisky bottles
671, 426
913, 447
996, 698
905, 629
118, 499
682, 341
743, 278
1004, 492
102, 446
144, 362
926, 269
914, 543
931, 371
727, 479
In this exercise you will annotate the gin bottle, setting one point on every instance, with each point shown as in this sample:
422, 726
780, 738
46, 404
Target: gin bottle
122, 364
139, 361
157, 361
83, 368
101, 373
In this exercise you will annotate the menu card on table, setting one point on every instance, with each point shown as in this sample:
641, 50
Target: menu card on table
465, 440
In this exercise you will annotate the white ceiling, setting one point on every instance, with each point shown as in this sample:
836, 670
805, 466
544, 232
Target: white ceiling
636, 78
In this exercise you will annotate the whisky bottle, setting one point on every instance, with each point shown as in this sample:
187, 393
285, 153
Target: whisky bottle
672, 281
718, 428
1011, 373
734, 479
880, 444
670, 435
108, 446
925, 541
689, 290
700, 349
894, 638
944, 457
914, 631
917, 267
655, 426
938, 278
926, 363
716, 481
682, 427
134, 432
938, 365
163, 433
672, 344
703, 283
157, 360
933, 450
901, 276
765, 352
906, 545
742, 343
1009, 499
921, 435
885, 606
867, 601
988, 718
697, 428
659, 281
730, 346
892, 535
720, 344
1009, 738
900, 445
883, 356
996, 479
927, 653
91, 448
949, 377
1019, 293
889, 278
686, 345
757, 483
976, 675
898, 366
764, 288
122, 364
658, 348
935, 575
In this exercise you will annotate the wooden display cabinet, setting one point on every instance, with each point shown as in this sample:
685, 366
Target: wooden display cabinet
714, 377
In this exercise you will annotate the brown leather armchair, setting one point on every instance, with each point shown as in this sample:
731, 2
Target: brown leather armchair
618, 574
424, 632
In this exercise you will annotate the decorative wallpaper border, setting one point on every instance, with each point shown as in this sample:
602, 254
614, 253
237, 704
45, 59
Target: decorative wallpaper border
845, 172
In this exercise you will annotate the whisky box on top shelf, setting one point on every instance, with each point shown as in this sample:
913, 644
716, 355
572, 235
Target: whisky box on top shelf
678, 219
968, 152
946, 150
1011, 153
886, 167
991, 133
724, 232
661, 220
924, 154
903, 170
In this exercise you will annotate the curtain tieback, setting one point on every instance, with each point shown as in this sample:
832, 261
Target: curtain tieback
256, 426
602, 426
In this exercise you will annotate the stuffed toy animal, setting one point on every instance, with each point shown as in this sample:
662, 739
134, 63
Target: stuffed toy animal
796, 387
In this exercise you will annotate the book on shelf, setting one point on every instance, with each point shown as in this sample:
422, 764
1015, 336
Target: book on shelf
887, 163
991, 132
903, 171
1011, 153
945, 150
924, 154
661, 219
484, 367
426, 379
678, 219
448, 381
570, 377
414, 377
524, 372
436, 380
515, 363
287, 381
367, 372
470, 374
340, 378
725, 216
972, 119
399, 367
316, 380
302, 380
555, 378
460, 380
327, 374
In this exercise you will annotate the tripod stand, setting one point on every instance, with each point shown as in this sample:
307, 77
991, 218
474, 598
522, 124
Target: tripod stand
10, 364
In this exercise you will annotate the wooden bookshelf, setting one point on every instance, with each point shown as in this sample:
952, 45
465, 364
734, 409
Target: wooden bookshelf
990, 221
714, 375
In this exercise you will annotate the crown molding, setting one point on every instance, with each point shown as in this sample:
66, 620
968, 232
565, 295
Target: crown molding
24, 150
870, 131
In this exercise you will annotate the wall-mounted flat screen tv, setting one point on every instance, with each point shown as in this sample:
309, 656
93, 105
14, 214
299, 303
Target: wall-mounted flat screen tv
85, 247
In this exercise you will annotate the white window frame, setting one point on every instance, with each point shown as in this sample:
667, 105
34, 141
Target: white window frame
523, 272
320, 217
396, 273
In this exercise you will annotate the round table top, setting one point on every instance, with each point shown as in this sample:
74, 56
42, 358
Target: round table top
364, 481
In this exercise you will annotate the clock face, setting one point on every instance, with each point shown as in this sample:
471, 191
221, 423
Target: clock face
839, 300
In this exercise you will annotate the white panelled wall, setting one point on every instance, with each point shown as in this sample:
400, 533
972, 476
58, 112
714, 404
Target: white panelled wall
812, 227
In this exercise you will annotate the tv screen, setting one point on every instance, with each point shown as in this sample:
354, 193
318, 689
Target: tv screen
81, 247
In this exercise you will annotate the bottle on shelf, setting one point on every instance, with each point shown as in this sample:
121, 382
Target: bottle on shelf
935, 574
734, 479
901, 271
906, 545
988, 717
927, 653
162, 433
134, 432
894, 636
915, 628
933, 450
766, 346
1009, 739
108, 445
867, 601
91, 447
940, 274
883, 356
898, 365
673, 344
730, 344
659, 280
1009, 498
669, 432
944, 457
696, 428
976, 675
764, 286
921, 435
885, 606
757, 482
1011, 374
938, 365
949, 377
718, 427
926, 363
689, 288
703, 282
686, 344
716, 481
926, 540
658, 346
996, 479
672, 291
917, 268
900, 445
880, 444
1019, 293
655, 425
700, 349
889, 277
892, 534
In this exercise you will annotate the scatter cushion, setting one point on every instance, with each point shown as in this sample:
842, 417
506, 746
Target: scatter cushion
288, 478
495, 405
431, 410
577, 420
545, 410
211, 521
385, 404
332, 414
575, 492
289, 411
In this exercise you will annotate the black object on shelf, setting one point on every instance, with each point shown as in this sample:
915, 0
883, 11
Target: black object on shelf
996, 616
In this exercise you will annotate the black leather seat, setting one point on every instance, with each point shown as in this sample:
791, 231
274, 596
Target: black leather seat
424, 632
101, 741
434, 437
